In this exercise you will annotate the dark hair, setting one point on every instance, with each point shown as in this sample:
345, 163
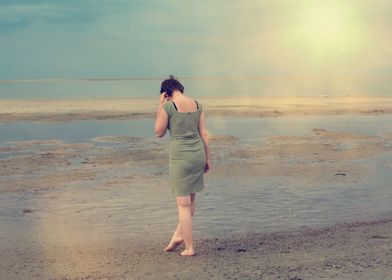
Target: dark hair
170, 85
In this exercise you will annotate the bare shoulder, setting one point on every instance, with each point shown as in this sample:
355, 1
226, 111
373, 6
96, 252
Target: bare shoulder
189, 98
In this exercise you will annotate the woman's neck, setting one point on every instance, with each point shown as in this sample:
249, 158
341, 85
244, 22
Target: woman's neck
176, 95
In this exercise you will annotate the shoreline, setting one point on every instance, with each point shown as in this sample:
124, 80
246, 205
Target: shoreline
49, 110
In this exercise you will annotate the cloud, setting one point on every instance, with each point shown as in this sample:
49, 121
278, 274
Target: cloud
16, 15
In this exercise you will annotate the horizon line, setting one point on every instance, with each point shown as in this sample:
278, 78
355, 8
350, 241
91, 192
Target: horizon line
304, 77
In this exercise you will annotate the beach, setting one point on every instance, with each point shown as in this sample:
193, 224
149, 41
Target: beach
309, 205
55, 109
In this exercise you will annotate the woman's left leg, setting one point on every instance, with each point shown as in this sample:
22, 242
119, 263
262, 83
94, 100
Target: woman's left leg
176, 240
177, 237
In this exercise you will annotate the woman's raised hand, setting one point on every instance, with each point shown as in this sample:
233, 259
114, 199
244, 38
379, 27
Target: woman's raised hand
163, 97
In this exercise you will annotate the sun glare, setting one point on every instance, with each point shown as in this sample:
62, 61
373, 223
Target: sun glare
328, 26
324, 23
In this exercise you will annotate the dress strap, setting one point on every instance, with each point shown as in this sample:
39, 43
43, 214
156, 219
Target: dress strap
175, 105
197, 105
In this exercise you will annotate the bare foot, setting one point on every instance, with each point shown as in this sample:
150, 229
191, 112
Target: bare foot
188, 253
173, 245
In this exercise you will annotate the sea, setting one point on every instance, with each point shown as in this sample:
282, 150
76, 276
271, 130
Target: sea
196, 87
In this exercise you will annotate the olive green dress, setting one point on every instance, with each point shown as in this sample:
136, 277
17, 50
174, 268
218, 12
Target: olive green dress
186, 148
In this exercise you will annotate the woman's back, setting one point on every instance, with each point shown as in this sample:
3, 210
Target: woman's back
184, 120
185, 104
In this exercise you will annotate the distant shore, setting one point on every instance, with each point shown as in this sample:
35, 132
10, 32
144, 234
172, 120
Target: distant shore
133, 108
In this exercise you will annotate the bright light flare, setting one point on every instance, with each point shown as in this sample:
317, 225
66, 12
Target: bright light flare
329, 26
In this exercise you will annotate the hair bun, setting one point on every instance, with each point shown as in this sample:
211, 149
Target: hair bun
170, 85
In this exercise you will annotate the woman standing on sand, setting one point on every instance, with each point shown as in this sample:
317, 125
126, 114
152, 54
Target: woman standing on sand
189, 155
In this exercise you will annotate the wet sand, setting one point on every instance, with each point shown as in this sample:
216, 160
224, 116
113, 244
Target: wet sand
345, 251
102, 209
130, 108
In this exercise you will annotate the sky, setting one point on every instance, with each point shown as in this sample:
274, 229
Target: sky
41, 39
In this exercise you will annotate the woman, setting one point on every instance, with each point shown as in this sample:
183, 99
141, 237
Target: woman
189, 155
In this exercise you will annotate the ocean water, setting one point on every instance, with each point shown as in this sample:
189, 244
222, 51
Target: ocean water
72, 88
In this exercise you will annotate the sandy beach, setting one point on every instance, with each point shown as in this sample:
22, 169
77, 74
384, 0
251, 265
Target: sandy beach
130, 108
279, 207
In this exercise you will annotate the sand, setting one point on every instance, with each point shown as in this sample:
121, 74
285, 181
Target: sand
344, 251
130, 108
101, 209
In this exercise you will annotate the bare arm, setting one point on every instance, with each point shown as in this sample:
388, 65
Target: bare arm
204, 136
162, 119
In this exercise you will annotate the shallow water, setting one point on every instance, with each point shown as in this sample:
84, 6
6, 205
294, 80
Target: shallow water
258, 204
244, 128
90, 209
224, 208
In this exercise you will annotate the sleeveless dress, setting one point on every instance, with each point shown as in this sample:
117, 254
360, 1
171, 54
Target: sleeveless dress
186, 150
